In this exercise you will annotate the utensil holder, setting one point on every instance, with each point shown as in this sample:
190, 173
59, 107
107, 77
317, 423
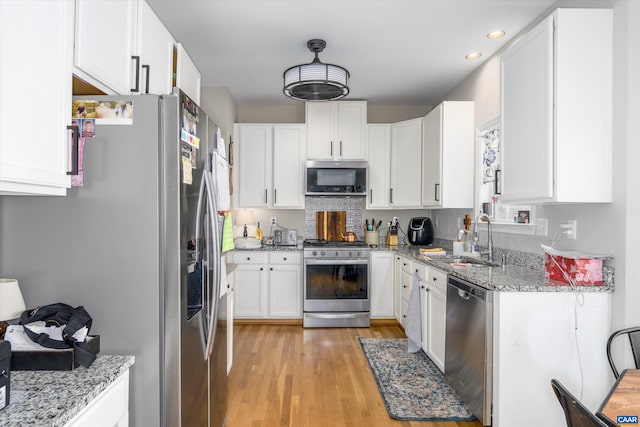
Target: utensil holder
372, 237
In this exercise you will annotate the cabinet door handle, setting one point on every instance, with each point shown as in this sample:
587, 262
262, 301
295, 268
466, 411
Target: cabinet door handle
271, 268
265, 196
437, 187
261, 269
248, 258
136, 59
496, 188
370, 196
275, 196
435, 279
75, 148
391, 195
148, 71
285, 258
331, 149
340, 148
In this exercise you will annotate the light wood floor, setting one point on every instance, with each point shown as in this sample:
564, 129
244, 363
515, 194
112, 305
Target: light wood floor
290, 376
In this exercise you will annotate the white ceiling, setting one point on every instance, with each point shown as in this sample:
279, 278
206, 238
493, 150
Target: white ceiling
399, 52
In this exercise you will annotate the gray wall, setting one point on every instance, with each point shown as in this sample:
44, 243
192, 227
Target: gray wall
602, 228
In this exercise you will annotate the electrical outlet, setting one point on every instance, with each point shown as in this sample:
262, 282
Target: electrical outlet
436, 222
542, 227
274, 220
572, 226
458, 223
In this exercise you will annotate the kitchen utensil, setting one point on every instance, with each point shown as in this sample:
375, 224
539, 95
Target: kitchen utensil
350, 236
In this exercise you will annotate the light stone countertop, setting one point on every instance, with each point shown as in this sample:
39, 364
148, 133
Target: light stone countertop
53, 398
511, 278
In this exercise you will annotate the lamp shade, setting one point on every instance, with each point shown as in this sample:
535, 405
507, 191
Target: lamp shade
245, 216
11, 301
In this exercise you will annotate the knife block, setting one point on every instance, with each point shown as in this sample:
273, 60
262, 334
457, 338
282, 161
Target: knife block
392, 239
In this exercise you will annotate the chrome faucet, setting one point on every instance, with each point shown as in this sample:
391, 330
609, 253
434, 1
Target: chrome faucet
489, 251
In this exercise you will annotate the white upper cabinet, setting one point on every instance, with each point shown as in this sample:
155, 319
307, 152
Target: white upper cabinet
336, 130
379, 148
155, 48
406, 149
557, 110
187, 75
36, 56
447, 156
269, 172
104, 43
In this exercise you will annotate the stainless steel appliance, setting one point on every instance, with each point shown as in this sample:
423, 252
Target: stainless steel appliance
138, 245
285, 237
343, 177
468, 345
336, 284
420, 231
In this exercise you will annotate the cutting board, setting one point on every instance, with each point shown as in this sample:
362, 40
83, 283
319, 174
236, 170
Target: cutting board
331, 225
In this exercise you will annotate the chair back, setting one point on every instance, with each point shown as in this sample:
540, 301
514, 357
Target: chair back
576, 414
634, 341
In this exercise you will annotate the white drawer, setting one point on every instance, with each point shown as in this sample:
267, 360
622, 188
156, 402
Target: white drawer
285, 257
437, 279
250, 257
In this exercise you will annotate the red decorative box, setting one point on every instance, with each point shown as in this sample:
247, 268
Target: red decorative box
582, 271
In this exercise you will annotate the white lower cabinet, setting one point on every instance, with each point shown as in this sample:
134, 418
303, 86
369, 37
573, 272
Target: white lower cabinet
109, 409
436, 315
406, 281
397, 287
381, 288
268, 284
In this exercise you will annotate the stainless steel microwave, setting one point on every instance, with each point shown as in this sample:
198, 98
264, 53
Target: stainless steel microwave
341, 177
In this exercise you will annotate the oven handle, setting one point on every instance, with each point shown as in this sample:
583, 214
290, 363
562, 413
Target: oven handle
336, 315
336, 261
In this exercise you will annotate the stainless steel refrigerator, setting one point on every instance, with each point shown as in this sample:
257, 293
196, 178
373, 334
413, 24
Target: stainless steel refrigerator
139, 246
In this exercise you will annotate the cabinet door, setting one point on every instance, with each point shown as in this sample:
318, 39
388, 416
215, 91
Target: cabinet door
436, 325
527, 116
379, 137
187, 75
250, 291
104, 42
285, 286
406, 152
36, 43
320, 119
254, 160
424, 315
155, 48
352, 119
381, 295
289, 143
431, 158
397, 287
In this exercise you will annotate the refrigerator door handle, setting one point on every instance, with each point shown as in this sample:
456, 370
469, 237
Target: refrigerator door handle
214, 292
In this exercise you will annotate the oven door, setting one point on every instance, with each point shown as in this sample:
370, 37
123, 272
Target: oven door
336, 285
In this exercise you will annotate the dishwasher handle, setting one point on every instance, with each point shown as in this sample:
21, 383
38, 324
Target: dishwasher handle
467, 289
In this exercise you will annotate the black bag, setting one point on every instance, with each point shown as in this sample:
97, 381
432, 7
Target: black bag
59, 314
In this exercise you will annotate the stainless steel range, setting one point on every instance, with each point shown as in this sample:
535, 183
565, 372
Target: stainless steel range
336, 284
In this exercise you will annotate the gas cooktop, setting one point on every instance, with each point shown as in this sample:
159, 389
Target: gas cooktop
313, 243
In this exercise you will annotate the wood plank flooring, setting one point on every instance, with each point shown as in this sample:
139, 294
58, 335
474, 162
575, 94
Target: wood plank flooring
285, 375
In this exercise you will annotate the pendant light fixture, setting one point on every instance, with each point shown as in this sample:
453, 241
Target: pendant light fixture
316, 81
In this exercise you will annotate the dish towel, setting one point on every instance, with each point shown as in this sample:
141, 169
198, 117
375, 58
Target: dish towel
413, 327
227, 233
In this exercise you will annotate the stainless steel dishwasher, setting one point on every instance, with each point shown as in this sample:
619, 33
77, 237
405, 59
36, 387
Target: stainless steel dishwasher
469, 345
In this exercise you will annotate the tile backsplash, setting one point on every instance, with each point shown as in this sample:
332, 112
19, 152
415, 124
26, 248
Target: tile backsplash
352, 205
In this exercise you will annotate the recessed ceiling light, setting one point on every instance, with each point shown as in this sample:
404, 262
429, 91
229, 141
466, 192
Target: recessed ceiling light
473, 55
495, 34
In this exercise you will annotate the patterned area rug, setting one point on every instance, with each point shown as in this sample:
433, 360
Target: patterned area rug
412, 387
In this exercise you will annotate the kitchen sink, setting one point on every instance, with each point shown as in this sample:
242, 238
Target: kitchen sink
462, 261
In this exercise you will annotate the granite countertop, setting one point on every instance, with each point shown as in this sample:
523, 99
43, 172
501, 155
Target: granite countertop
270, 249
53, 398
510, 278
